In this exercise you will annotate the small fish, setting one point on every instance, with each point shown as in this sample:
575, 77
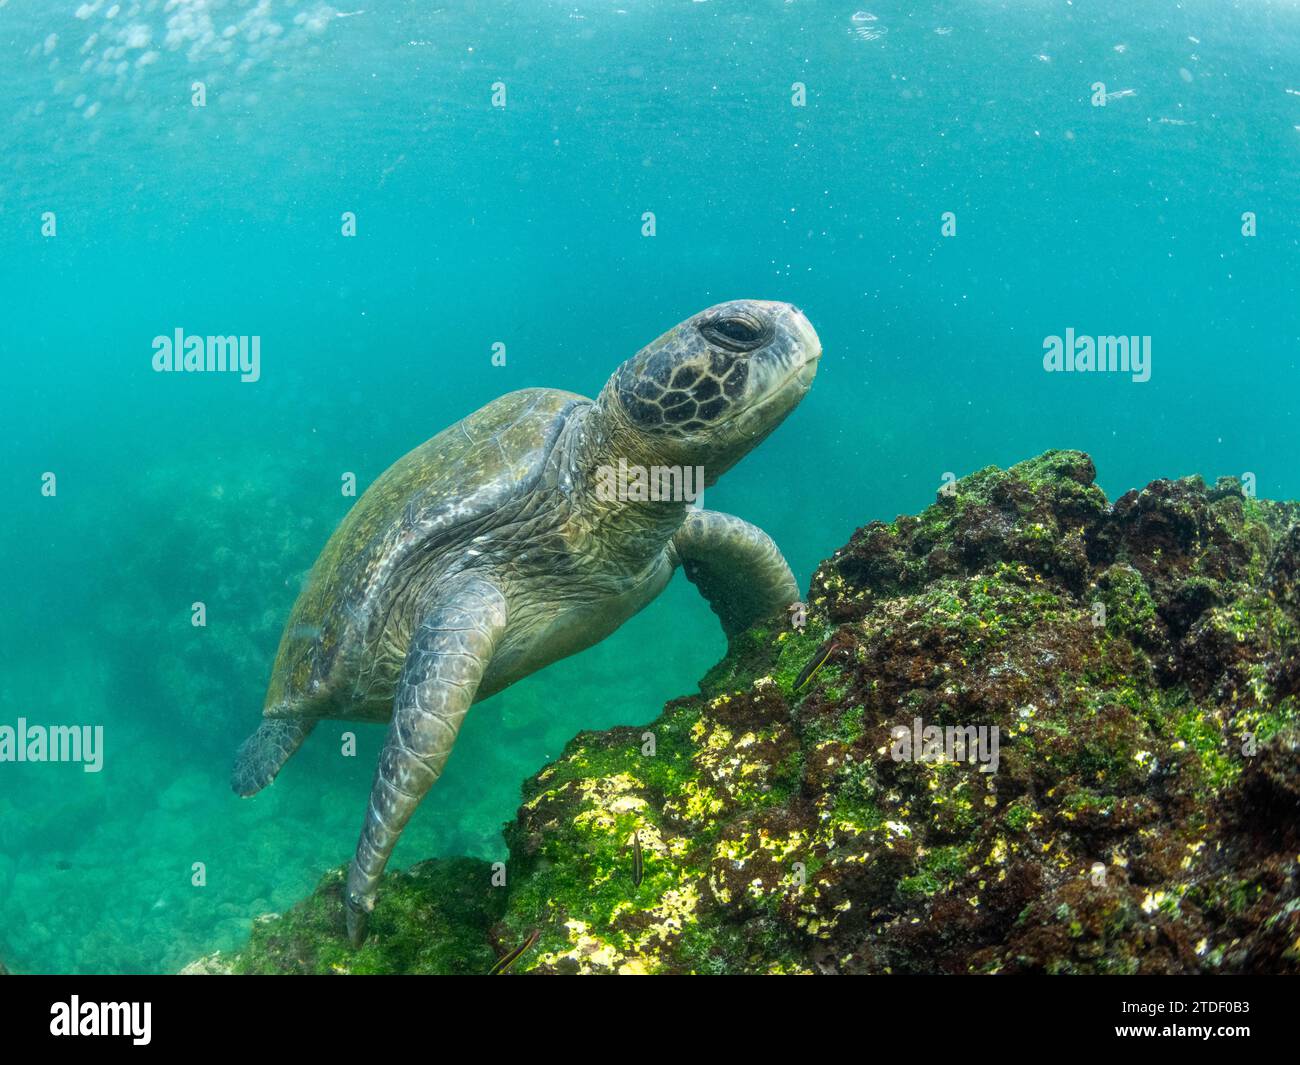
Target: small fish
814, 664
638, 863
507, 960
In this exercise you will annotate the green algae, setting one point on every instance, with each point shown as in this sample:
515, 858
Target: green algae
433, 919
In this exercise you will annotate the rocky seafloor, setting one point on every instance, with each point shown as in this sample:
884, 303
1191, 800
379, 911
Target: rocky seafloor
1140, 661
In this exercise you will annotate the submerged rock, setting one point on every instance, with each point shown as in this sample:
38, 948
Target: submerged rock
1138, 664
433, 918
214, 964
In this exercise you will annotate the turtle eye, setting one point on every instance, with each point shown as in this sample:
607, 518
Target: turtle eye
736, 332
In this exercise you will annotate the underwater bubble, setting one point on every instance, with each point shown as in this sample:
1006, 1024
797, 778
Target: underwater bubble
138, 35
865, 26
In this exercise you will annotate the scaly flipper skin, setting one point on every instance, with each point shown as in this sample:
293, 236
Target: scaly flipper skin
263, 754
448, 656
736, 566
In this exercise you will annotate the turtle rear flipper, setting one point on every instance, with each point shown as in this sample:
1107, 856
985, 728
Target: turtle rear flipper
262, 755
448, 655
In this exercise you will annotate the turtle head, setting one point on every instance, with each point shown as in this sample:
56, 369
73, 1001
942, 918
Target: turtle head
709, 390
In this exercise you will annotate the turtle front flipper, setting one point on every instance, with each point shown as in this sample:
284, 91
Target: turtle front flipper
447, 658
736, 566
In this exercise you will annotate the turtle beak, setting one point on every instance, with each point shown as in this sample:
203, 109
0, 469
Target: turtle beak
808, 371
809, 344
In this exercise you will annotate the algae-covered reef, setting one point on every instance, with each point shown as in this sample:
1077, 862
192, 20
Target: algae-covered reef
435, 919
1140, 662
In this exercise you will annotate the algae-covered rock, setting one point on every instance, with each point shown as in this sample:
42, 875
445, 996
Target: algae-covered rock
433, 918
214, 964
1123, 680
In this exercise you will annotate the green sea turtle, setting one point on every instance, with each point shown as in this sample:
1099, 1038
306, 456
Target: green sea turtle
497, 547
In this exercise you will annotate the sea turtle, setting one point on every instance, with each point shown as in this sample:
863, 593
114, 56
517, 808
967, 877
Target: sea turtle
503, 544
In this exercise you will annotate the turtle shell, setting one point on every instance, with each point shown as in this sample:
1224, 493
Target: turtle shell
428, 501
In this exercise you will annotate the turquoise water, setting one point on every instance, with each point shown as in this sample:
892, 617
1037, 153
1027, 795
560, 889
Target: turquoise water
523, 225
